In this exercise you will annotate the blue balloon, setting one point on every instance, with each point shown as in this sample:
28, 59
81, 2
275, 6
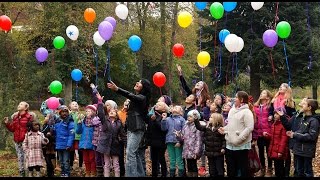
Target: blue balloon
229, 6
201, 5
223, 34
135, 43
76, 75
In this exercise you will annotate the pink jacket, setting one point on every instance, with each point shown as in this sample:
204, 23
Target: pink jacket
262, 124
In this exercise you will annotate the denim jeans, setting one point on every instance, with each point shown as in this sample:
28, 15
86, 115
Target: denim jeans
64, 158
134, 164
304, 166
20, 154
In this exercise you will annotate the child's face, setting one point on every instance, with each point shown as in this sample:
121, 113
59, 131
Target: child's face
237, 101
282, 88
113, 113
305, 106
190, 99
22, 106
89, 112
74, 106
177, 110
276, 117
213, 107
190, 118
35, 127
226, 107
64, 113
160, 106
217, 100
264, 95
301, 102
208, 102
108, 106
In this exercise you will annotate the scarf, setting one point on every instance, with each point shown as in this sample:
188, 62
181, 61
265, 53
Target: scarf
279, 101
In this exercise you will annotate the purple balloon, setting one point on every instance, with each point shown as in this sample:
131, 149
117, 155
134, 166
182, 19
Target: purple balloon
41, 54
105, 30
270, 38
112, 21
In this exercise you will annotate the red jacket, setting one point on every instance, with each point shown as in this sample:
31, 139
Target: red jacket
19, 126
278, 141
262, 124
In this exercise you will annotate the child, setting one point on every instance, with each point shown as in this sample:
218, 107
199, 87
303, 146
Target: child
74, 112
192, 143
214, 108
219, 99
86, 128
225, 111
306, 137
171, 124
64, 136
32, 146
278, 148
215, 144
19, 128
261, 108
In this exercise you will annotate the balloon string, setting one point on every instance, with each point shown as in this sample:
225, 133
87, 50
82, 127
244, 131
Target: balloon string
285, 53
232, 78
236, 87
202, 73
108, 69
272, 64
251, 30
76, 91
215, 44
276, 16
237, 70
309, 30
200, 32
160, 91
220, 62
105, 69
225, 22
95, 53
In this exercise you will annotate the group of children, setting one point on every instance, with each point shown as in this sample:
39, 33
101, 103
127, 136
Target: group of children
190, 132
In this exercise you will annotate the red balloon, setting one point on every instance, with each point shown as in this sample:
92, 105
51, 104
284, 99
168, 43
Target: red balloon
178, 50
159, 79
5, 23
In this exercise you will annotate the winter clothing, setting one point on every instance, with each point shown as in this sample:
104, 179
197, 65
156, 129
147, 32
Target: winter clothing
155, 136
192, 141
64, 133
262, 124
92, 107
289, 111
86, 130
19, 126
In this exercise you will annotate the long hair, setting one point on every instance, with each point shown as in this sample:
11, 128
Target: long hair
216, 120
287, 96
244, 97
204, 93
269, 94
146, 91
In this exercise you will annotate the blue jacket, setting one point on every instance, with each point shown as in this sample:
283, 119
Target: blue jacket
64, 133
86, 132
171, 123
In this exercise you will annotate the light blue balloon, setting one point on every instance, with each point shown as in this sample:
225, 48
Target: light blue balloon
135, 43
201, 5
76, 75
229, 6
223, 34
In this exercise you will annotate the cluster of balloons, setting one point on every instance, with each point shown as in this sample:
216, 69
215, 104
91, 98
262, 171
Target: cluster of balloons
178, 50
203, 59
135, 43
159, 79
5, 23
270, 37
233, 43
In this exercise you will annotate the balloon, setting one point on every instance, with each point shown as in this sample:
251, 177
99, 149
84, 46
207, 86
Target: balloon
105, 30
72, 32
76, 75
55, 87
178, 50
184, 19
122, 11
52, 103
231, 42
159, 79
223, 34
135, 43
201, 5
89, 15
203, 59
257, 5
240, 45
270, 38
283, 29
112, 21
5, 23
98, 40
229, 6
59, 42
216, 10
41, 54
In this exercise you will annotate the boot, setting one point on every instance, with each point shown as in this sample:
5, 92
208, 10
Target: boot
268, 173
37, 174
30, 174
116, 173
88, 173
93, 174
106, 172
262, 172
172, 172
180, 172
99, 171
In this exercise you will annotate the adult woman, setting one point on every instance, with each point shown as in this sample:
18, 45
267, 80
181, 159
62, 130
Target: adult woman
136, 117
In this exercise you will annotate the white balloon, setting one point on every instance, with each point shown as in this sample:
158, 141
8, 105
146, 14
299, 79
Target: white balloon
240, 44
98, 40
122, 11
72, 32
231, 42
257, 5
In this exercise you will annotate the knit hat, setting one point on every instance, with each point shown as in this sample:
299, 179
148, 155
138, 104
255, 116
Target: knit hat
112, 104
190, 113
167, 100
92, 107
63, 107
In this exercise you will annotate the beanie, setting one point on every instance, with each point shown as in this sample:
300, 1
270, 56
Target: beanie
167, 100
92, 107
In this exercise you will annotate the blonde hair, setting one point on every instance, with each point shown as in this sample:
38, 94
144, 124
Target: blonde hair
287, 96
165, 106
27, 105
215, 120
181, 109
269, 94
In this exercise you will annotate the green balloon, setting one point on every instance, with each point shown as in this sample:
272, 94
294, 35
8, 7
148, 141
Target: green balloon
216, 10
58, 42
283, 29
55, 87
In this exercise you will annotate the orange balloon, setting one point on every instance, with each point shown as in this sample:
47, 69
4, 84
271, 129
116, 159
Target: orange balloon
89, 15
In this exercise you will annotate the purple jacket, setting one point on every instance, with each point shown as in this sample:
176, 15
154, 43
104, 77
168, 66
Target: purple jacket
192, 141
96, 130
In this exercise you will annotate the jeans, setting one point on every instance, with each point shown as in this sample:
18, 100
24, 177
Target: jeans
20, 154
134, 164
64, 158
304, 166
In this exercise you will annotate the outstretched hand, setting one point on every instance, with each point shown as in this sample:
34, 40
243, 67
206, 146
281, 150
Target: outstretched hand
111, 85
179, 69
99, 96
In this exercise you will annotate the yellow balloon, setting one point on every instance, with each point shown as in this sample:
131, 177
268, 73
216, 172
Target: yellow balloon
203, 59
184, 19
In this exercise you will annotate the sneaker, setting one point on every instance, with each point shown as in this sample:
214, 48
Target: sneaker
202, 171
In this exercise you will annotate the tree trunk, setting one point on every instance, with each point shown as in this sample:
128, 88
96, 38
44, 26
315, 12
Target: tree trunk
68, 91
255, 80
315, 91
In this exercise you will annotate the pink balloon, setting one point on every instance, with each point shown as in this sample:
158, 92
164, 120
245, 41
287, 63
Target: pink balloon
53, 103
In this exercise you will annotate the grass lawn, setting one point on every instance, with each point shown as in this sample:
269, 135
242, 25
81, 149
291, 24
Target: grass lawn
8, 164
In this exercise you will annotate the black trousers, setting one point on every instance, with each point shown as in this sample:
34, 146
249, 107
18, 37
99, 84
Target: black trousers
237, 161
72, 153
263, 146
192, 165
121, 159
279, 169
37, 168
50, 166
287, 164
158, 156
216, 166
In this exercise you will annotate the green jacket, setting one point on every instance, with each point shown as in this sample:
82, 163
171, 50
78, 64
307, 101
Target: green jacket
75, 118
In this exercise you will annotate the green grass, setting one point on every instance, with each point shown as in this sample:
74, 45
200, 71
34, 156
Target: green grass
8, 164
